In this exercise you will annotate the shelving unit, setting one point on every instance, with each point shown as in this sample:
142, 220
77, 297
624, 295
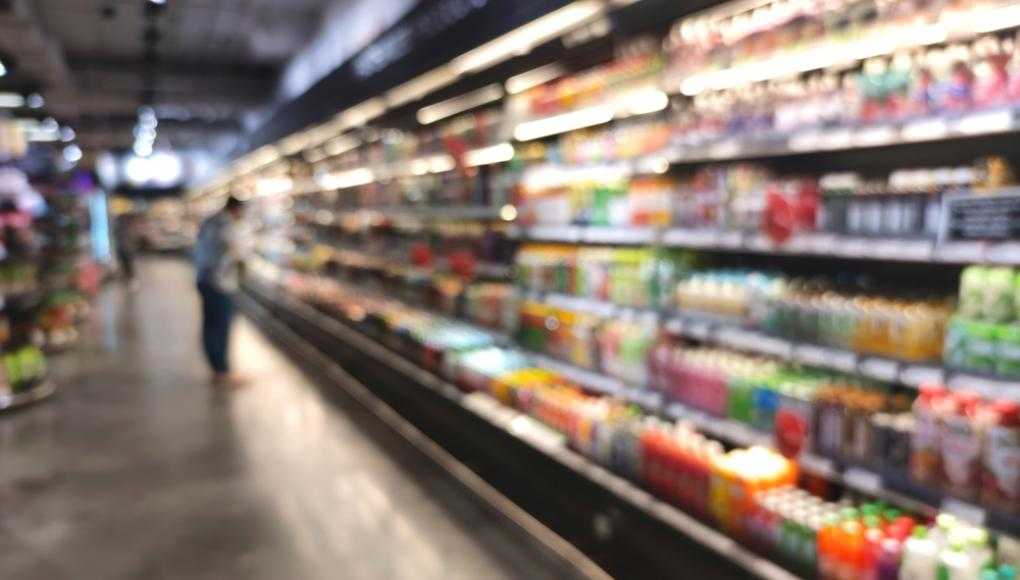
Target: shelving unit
40, 392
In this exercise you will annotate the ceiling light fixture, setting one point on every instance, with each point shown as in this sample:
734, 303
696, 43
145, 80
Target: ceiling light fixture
533, 78
35, 101
493, 154
3, 69
527, 37
563, 123
72, 153
450, 107
67, 134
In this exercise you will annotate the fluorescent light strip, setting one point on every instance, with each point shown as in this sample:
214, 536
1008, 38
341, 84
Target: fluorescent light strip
571, 121
645, 102
11, 101
340, 145
362, 113
3, 69
525, 38
345, 179
499, 153
450, 107
533, 78
421, 86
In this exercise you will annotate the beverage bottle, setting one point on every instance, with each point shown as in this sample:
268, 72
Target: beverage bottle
962, 442
1001, 457
889, 559
851, 550
956, 563
925, 454
920, 557
827, 541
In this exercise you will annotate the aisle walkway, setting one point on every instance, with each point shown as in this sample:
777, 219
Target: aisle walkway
139, 470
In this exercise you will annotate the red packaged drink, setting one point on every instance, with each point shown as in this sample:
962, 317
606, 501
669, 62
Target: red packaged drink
1001, 461
926, 447
962, 443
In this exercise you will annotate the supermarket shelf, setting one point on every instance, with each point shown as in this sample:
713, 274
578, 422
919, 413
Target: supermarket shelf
40, 392
730, 333
802, 244
541, 439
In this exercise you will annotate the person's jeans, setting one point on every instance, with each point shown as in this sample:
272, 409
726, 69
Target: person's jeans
217, 312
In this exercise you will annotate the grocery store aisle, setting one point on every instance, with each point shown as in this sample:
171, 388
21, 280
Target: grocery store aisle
139, 470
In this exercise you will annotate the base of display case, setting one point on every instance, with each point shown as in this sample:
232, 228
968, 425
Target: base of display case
621, 527
40, 392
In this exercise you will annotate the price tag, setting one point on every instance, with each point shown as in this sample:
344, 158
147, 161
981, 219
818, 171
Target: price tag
822, 243
917, 375
693, 238
874, 136
836, 139
965, 511
812, 355
698, 330
1007, 253
988, 122
926, 130
760, 243
880, 368
772, 346
853, 247
806, 141
863, 480
961, 252
730, 239
725, 149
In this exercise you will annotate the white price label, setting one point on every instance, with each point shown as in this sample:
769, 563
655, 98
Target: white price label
927, 130
917, 375
806, 141
965, 511
853, 247
863, 480
698, 330
726, 149
874, 136
812, 355
988, 122
837, 139
731, 239
1007, 253
696, 238
962, 252
880, 368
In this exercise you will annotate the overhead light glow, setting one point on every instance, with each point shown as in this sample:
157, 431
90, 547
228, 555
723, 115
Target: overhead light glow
421, 86
508, 213
533, 78
648, 101
36, 101
271, 186
67, 134
72, 153
341, 145
500, 153
579, 119
3, 69
525, 38
345, 179
11, 101
450, 107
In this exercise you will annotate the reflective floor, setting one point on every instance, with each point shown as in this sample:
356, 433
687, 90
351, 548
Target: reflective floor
139, 470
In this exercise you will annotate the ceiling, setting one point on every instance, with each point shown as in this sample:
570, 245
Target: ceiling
202, 64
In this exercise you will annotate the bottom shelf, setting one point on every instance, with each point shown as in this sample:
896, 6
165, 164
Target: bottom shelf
40, 392
623, 527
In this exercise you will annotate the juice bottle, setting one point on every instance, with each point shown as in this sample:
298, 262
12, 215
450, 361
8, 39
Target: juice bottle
962, 443
920, 557
851, 550
889, 559
925, 454
827, 543
1001, 462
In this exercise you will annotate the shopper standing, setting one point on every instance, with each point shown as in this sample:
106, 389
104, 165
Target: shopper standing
126, 236
217, 264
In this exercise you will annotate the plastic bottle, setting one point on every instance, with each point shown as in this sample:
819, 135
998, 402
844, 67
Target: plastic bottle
1001, 457
962, 442
889, 559
956, 562
920, 557
925, 455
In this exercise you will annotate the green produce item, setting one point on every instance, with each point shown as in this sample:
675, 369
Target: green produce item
972, 284
980, 346
999, 291
1007, 350
955, 353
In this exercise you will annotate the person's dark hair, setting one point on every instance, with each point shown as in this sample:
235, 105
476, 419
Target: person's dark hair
234, 203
